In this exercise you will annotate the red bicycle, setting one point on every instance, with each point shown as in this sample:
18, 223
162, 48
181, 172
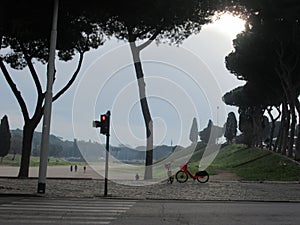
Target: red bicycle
183, 174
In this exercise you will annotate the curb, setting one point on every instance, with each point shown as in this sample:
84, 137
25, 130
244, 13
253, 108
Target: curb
195, 200
111, 197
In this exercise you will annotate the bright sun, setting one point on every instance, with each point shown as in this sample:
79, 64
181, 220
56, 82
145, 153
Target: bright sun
229, 24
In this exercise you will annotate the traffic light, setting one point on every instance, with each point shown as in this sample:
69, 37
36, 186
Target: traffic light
103, 124
96, 124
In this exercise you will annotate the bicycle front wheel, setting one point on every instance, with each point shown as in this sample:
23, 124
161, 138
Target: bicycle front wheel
181, 176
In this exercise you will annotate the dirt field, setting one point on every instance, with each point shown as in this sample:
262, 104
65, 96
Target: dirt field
52, 171
64, 172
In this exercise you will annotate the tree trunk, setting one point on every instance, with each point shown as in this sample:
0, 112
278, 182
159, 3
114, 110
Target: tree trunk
145, 110
272, 129
297, 150
28, 131
286, 125
257, 118
273, 126
279, 140
292, 131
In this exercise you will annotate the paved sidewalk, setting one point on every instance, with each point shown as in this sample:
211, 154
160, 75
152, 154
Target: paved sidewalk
213, 190
224, 186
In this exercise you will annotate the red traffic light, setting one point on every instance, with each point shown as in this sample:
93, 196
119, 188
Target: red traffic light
103, 123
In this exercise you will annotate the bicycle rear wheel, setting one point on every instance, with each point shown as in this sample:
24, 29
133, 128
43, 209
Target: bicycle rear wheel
203, 178
181, 176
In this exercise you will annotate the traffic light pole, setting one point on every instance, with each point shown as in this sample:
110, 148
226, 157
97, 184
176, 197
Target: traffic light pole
104, 125
107, 154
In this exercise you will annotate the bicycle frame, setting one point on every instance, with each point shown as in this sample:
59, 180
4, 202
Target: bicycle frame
184, 167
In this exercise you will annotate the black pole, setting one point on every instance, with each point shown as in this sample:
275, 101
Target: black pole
107, 154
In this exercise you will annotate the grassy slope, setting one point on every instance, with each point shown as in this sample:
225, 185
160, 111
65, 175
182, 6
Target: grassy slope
241, 160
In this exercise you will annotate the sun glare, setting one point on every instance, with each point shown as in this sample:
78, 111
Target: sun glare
229, 24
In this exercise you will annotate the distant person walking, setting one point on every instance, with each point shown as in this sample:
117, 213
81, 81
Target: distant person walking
84, 169
71, 168
75, 168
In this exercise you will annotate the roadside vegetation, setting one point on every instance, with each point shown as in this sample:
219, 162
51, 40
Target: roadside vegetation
252, 164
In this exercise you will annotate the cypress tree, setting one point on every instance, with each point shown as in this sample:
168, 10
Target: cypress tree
231, 127
5, 137
194, 131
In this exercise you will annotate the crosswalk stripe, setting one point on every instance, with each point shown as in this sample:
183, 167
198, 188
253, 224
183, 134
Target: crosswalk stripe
62, 204
65, 206
67, 210
87, 201
62, 211
21, 221
8, 217
70, 213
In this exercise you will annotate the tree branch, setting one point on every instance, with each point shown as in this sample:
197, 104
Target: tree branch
71, 81
279, 112
39, 109
297, 105
148, 42
15, 90
32, 70
269, 110
144, 32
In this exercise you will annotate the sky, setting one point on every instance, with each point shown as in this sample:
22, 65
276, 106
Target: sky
182, 82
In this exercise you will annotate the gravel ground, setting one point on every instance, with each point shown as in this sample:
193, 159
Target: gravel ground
61, 182
213, 190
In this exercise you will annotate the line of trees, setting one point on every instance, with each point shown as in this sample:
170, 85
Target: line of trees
266, 55
24, 40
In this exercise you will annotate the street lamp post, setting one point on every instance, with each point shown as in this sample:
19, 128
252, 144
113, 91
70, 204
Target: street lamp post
48, 104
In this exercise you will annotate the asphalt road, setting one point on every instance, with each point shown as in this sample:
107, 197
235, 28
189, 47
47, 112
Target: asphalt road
39, 210
210, 213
